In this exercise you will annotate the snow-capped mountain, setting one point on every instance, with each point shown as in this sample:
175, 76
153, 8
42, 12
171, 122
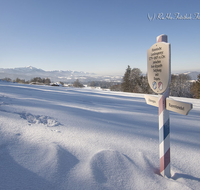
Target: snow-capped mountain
30, 72
193, 75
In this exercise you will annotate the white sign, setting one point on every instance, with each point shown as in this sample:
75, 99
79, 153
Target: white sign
171, 105
151, 100
159, 66
178, 107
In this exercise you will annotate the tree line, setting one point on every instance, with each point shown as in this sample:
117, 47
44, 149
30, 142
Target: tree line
133, 81
195, 89
36, 80
180, 86
41, 81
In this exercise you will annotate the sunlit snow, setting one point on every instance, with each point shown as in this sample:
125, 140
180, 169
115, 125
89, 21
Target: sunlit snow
61, 138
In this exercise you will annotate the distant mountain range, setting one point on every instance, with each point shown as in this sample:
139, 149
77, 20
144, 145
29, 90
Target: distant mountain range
193, 75
30, 72
68, 76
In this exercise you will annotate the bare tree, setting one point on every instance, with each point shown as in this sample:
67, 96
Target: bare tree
180, 85
77, 84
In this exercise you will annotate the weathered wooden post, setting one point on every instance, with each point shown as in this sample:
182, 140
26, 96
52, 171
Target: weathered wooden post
159, 78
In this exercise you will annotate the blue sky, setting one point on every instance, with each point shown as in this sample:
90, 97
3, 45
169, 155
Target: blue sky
100, 36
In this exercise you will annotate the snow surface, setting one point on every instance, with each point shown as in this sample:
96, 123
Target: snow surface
56, 138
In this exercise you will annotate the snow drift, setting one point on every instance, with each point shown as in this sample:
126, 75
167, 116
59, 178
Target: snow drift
74, 139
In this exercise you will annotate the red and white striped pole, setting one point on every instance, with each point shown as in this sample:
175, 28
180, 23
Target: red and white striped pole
164, 128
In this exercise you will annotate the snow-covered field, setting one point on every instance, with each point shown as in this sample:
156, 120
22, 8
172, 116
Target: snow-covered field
55, 138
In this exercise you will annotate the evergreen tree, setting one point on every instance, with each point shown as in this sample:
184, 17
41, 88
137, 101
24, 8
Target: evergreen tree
145, 85
136, 82
195, 89
126, 83
133, 81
